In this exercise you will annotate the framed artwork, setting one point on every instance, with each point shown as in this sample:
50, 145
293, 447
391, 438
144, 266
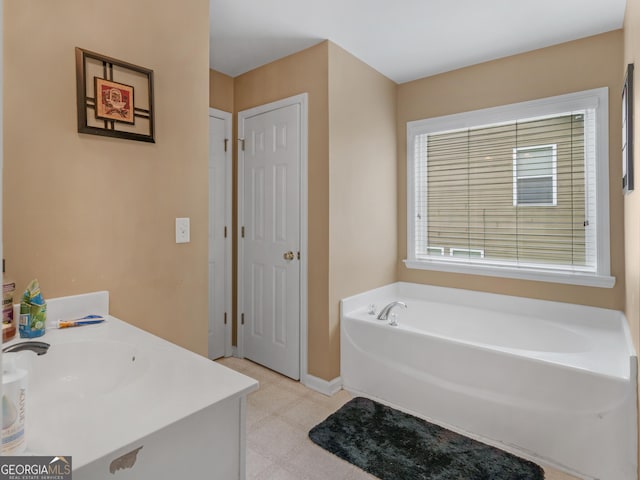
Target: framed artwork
627, 131
114, 101
115, 98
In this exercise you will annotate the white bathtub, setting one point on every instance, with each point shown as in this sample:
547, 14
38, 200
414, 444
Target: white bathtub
552, 382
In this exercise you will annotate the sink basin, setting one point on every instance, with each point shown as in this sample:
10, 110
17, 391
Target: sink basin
81, 371
80, 383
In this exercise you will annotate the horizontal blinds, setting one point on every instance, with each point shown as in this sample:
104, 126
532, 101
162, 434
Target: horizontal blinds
515, 192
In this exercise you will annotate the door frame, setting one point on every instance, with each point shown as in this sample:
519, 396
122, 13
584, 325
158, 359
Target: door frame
301, 100
227, 117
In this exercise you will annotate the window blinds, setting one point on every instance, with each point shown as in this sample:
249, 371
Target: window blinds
521, 192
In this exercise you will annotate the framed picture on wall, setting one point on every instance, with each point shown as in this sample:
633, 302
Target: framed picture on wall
627, 131
114, 101
106, 102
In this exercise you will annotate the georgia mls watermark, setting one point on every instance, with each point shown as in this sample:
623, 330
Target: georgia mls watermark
35, 468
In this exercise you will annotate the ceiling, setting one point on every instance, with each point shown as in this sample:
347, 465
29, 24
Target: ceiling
402, 39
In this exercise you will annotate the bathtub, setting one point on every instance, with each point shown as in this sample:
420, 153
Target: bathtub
552, 382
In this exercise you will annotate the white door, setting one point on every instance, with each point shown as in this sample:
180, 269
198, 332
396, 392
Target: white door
269, 221
219, 233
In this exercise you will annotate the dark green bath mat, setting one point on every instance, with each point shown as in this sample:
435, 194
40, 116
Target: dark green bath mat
393, 445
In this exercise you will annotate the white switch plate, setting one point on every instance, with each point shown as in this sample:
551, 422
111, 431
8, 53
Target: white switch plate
183, 234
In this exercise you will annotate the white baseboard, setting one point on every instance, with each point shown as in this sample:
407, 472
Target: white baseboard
325, 387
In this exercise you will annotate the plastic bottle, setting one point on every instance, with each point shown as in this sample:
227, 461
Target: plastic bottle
14, 405
8, 320
33, 312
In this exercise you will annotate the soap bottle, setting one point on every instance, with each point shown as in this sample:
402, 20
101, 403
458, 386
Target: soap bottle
8, 320
14, 405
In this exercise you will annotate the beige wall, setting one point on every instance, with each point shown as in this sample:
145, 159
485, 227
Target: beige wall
632, 200
220, 91
349, 104
580, 65
362, 184
84, 213
306, 71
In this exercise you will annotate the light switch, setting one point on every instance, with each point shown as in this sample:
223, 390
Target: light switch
183, 234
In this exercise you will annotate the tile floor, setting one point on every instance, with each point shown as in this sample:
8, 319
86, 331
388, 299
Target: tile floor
279, 416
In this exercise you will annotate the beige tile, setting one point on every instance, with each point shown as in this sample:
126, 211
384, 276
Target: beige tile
553, 474
274, 438
271, 397
294, 386
279, 473
305, 413
359, 474
257, 464
237, 364
262, 374
333, 402
255, 415
309, 459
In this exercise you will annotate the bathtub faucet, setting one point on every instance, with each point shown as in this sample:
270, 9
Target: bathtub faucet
384, 313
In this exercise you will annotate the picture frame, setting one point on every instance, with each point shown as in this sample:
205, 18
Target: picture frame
627, 131
129, 111
114, 101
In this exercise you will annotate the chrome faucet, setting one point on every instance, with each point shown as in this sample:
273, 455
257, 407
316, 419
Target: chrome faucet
38, 347
384, 313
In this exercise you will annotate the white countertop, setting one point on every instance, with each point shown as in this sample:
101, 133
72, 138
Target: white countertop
91, 408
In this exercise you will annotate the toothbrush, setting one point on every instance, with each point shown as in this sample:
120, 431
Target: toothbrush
88, 320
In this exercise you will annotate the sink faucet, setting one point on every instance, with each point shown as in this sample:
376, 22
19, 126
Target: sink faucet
38, 347
384, 313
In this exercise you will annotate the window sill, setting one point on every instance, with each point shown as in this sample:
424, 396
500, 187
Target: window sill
585, 279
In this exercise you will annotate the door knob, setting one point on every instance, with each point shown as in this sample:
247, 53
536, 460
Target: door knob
289, 255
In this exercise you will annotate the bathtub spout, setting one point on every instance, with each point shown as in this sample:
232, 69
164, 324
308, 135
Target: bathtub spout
384, 313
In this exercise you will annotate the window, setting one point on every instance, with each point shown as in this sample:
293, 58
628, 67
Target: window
535, 176
519, 191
